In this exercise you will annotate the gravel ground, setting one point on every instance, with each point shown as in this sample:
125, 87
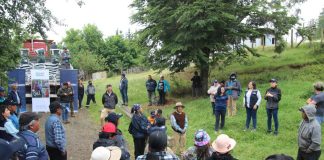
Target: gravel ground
80, 133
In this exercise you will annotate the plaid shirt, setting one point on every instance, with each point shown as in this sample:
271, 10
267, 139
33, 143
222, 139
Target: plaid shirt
59, 136
160, 155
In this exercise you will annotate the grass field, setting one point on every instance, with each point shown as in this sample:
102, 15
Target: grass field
296, 69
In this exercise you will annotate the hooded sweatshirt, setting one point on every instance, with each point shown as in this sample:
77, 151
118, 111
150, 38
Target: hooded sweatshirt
309, 133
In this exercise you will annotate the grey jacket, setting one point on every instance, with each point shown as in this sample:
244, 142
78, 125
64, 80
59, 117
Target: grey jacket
91, 90
309, 133
109, 101
273, 102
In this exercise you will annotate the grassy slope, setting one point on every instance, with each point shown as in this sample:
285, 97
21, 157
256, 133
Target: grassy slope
296, 85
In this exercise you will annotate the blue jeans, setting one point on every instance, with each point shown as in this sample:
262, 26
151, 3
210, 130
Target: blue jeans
65, 111
320, 119
273, 113
123, 93
251, 113
220, 115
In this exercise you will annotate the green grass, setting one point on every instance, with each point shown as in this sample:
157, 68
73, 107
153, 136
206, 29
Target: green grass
295, 83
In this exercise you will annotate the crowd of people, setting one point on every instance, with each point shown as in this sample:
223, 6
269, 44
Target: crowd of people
19, 139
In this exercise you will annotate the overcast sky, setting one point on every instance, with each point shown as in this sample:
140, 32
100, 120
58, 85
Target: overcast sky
110, 15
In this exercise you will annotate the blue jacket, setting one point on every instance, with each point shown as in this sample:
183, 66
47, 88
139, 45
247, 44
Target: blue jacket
14, 119
139, 126
220, 102
12, 96
34, 149
123, 84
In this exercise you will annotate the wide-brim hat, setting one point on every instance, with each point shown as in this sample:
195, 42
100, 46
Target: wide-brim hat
201, 138
106, 153
179, 104
223, 144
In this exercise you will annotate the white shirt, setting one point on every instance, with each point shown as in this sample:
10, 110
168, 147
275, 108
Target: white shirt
248, 96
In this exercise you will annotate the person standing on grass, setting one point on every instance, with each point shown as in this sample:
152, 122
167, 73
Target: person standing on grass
123, 87
233, 90
14, 95
212, 91
309, 135
34, 149
64, 94
202, 149
91, 94
150, 87
80, 92
220, 108
179, 124
138, 128
318, 100
251, 101
109, 101
163, 88
55, 133
71, 99
273, 96
196, 85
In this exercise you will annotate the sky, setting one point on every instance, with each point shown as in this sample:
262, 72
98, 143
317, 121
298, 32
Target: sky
110, 15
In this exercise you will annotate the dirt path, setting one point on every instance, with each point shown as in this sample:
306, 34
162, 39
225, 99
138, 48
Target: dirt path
80, 133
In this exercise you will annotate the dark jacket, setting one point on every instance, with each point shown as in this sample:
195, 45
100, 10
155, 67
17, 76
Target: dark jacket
273, 102
156, 128
123, 84
12, 96
196, 82
220, 102
3, 134
139, 126
151, 85
64, 98
216, 156
109, 101
34, 149
81, 89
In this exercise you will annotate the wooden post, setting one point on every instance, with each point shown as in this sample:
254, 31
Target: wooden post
292, 38
322, 34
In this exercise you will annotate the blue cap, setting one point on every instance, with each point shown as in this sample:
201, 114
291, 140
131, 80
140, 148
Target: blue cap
2, 89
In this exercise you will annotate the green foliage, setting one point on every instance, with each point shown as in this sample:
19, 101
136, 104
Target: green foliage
88, 62
16, 19
204, 32
320, 24
280, 45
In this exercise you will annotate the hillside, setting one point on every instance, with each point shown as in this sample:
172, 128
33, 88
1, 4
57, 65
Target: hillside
296, 70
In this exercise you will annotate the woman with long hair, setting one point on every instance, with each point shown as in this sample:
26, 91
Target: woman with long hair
202, 149
220, 108
7, 129
138, 128
251, 101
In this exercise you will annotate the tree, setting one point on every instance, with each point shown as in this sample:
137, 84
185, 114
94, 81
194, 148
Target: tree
120, 53
307, 32
16, 19
206, 32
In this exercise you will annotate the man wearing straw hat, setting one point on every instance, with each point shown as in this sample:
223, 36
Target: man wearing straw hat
179, 124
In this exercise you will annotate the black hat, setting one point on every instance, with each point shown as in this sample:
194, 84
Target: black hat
27, 117
158, 140
113, 117
54, 106
273, 80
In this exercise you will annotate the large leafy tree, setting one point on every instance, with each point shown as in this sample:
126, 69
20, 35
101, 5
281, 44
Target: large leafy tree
206, 32
17, 18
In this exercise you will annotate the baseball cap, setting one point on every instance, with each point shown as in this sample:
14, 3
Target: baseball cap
201, 138
109, 128
113, 117
27, 117
136, 107
106, 153
2, 89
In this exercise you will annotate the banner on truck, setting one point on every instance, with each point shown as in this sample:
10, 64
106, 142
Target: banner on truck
40, 90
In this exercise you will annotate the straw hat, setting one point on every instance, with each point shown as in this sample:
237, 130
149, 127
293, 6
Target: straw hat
179, 104
106, 153
223, 144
